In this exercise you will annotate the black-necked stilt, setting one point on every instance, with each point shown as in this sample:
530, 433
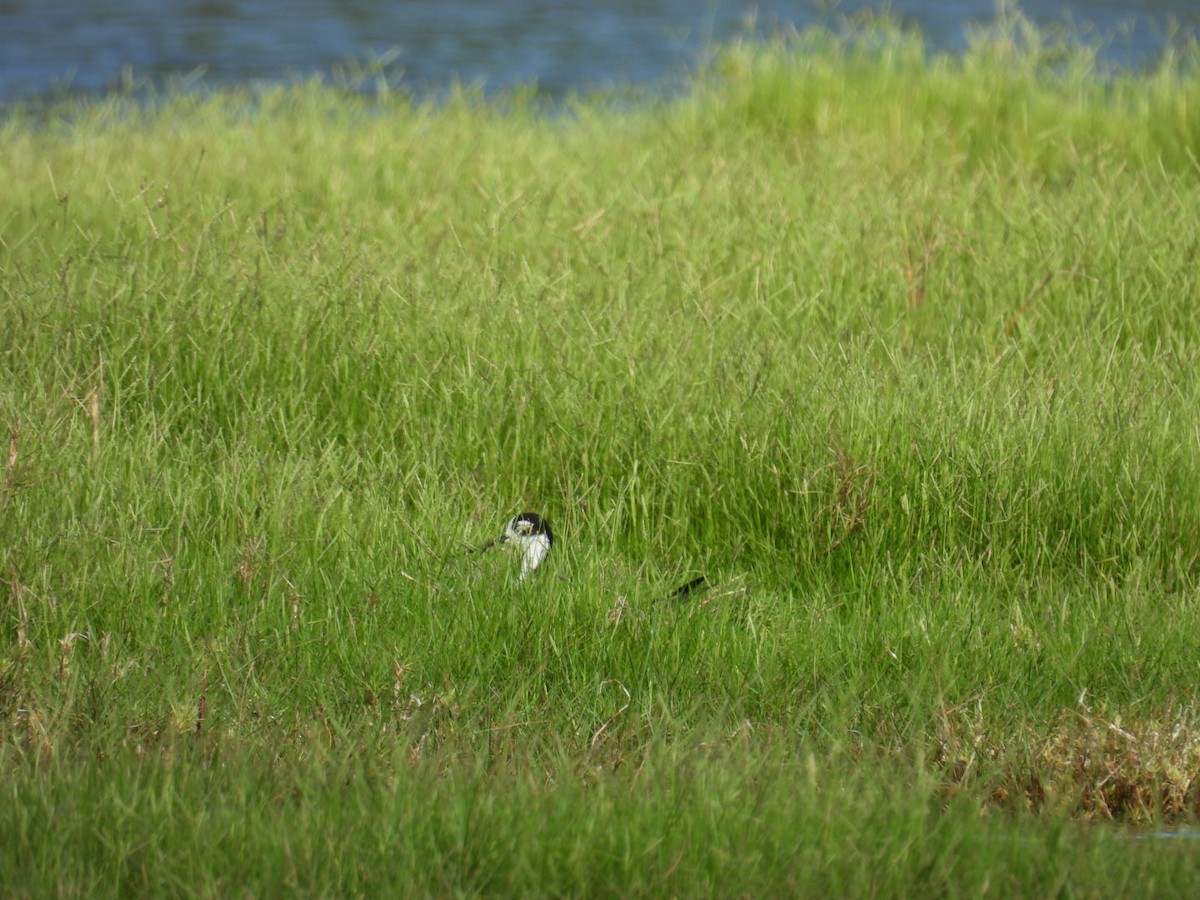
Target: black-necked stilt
532, 536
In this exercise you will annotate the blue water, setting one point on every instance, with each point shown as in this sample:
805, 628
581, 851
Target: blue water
93, 46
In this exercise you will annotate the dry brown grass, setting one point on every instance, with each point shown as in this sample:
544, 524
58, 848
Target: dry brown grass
1083, 765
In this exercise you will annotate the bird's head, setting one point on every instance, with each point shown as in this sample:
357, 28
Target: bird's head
531, 534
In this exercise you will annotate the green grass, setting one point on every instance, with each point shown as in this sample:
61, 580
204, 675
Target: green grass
902, 352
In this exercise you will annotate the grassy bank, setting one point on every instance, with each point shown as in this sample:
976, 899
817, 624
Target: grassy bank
902, 353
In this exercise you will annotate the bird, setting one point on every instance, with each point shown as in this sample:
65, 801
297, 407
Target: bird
532, 536
695, 586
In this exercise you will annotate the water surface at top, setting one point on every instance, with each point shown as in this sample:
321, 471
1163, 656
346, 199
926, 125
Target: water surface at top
49, 46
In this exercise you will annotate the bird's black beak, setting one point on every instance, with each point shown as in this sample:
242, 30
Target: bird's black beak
503, 539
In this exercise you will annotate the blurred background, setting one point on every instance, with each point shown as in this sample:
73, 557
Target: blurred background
53, 47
